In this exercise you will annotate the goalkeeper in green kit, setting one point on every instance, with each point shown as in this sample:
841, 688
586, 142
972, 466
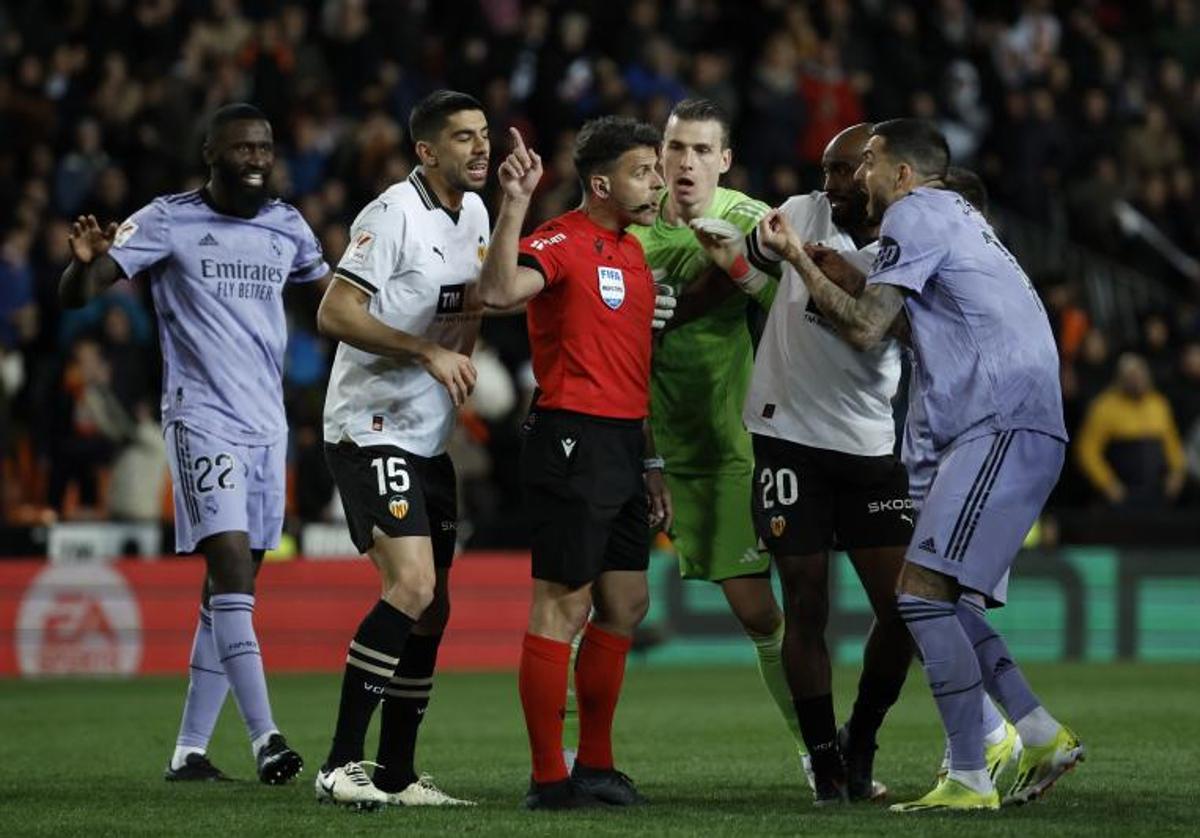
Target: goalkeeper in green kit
699, 381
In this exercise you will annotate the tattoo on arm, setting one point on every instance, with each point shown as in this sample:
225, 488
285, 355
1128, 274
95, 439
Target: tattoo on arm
863, 320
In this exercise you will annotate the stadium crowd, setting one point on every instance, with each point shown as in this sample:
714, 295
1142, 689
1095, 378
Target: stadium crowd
1077, 115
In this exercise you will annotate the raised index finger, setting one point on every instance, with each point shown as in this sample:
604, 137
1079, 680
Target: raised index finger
519, 149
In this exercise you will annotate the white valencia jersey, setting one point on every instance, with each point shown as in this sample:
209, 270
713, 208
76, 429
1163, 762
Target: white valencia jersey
420, 263
810, 386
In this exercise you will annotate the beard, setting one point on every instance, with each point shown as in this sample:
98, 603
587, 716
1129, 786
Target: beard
245, 200
876, 205
851, 212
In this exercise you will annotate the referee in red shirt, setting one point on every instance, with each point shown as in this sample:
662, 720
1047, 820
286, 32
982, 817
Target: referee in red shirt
591, 498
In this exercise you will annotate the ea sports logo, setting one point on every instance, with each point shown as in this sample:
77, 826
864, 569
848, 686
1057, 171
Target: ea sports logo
79, 619
398, 507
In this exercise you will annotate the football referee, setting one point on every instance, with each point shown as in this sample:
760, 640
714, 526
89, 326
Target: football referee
591, 492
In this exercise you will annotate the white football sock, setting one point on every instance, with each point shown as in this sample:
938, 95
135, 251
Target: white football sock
181, 754
257, 744
1037, 727
978, 780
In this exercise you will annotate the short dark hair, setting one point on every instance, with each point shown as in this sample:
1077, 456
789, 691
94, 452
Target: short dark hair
602, 140
969, 185
236, 112
429, 116
916, 142
703, 110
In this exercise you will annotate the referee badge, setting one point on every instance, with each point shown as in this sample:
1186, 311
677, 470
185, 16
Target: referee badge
778, 524
398, 507
612, 286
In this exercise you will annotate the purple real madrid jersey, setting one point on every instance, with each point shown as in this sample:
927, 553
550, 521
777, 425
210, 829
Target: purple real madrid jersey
217, 282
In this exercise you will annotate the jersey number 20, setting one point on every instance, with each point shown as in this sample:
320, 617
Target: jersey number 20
781, 484
391, 474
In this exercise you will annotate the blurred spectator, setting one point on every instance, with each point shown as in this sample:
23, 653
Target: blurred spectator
18, 309
1129, 447
79, 168
91, 427
139, 473
1184, 387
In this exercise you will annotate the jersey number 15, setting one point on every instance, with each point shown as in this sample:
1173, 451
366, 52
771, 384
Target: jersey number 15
391, 474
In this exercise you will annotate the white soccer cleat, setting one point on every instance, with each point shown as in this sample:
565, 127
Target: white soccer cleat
423, 792
348, 785
806, 767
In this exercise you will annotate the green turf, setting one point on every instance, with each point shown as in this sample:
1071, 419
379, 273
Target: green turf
82, 757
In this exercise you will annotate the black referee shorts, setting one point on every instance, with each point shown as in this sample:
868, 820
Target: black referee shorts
586, 498
398, 492
807, 500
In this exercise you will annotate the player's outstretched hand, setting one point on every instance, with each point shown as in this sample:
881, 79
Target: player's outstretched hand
662, 513
775, 232
453, 371
840, 272
521, 170
664, 302
89, 240
721, 240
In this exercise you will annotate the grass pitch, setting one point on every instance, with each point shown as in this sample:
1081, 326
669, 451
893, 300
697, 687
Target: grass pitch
85, 757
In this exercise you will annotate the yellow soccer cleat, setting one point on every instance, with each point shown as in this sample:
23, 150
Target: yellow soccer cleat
1004, 753
950, 795
1040, 767
999, 756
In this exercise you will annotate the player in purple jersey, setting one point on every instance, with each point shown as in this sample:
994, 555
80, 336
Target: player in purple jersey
218, 259
987, 377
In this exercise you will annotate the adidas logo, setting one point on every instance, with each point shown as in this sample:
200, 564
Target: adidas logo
928, 546
208, 241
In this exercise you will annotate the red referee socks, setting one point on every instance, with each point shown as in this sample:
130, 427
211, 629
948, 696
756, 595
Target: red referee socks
599, 671
542, 682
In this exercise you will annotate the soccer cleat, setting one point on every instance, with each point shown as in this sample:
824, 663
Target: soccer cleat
348, 785
1004, 753
422, 792
564, 794
998, 756
607, 785
829, 776
195, 769
860, 766
950, 794
1040, 767
277, 763
806, 767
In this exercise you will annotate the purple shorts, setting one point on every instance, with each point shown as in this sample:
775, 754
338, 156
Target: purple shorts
223, 486
986, 496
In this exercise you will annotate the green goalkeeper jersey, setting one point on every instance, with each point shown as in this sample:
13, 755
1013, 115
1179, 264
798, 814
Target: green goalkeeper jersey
702, 369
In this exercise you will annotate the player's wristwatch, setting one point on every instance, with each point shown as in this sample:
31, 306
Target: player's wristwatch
654, 462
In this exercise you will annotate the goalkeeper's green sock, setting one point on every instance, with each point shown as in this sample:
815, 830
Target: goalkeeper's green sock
770, 666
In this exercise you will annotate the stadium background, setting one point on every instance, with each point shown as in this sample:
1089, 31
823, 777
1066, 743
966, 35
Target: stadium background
1078, 115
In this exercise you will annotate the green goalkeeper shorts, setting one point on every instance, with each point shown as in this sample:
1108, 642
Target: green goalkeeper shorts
713, 532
